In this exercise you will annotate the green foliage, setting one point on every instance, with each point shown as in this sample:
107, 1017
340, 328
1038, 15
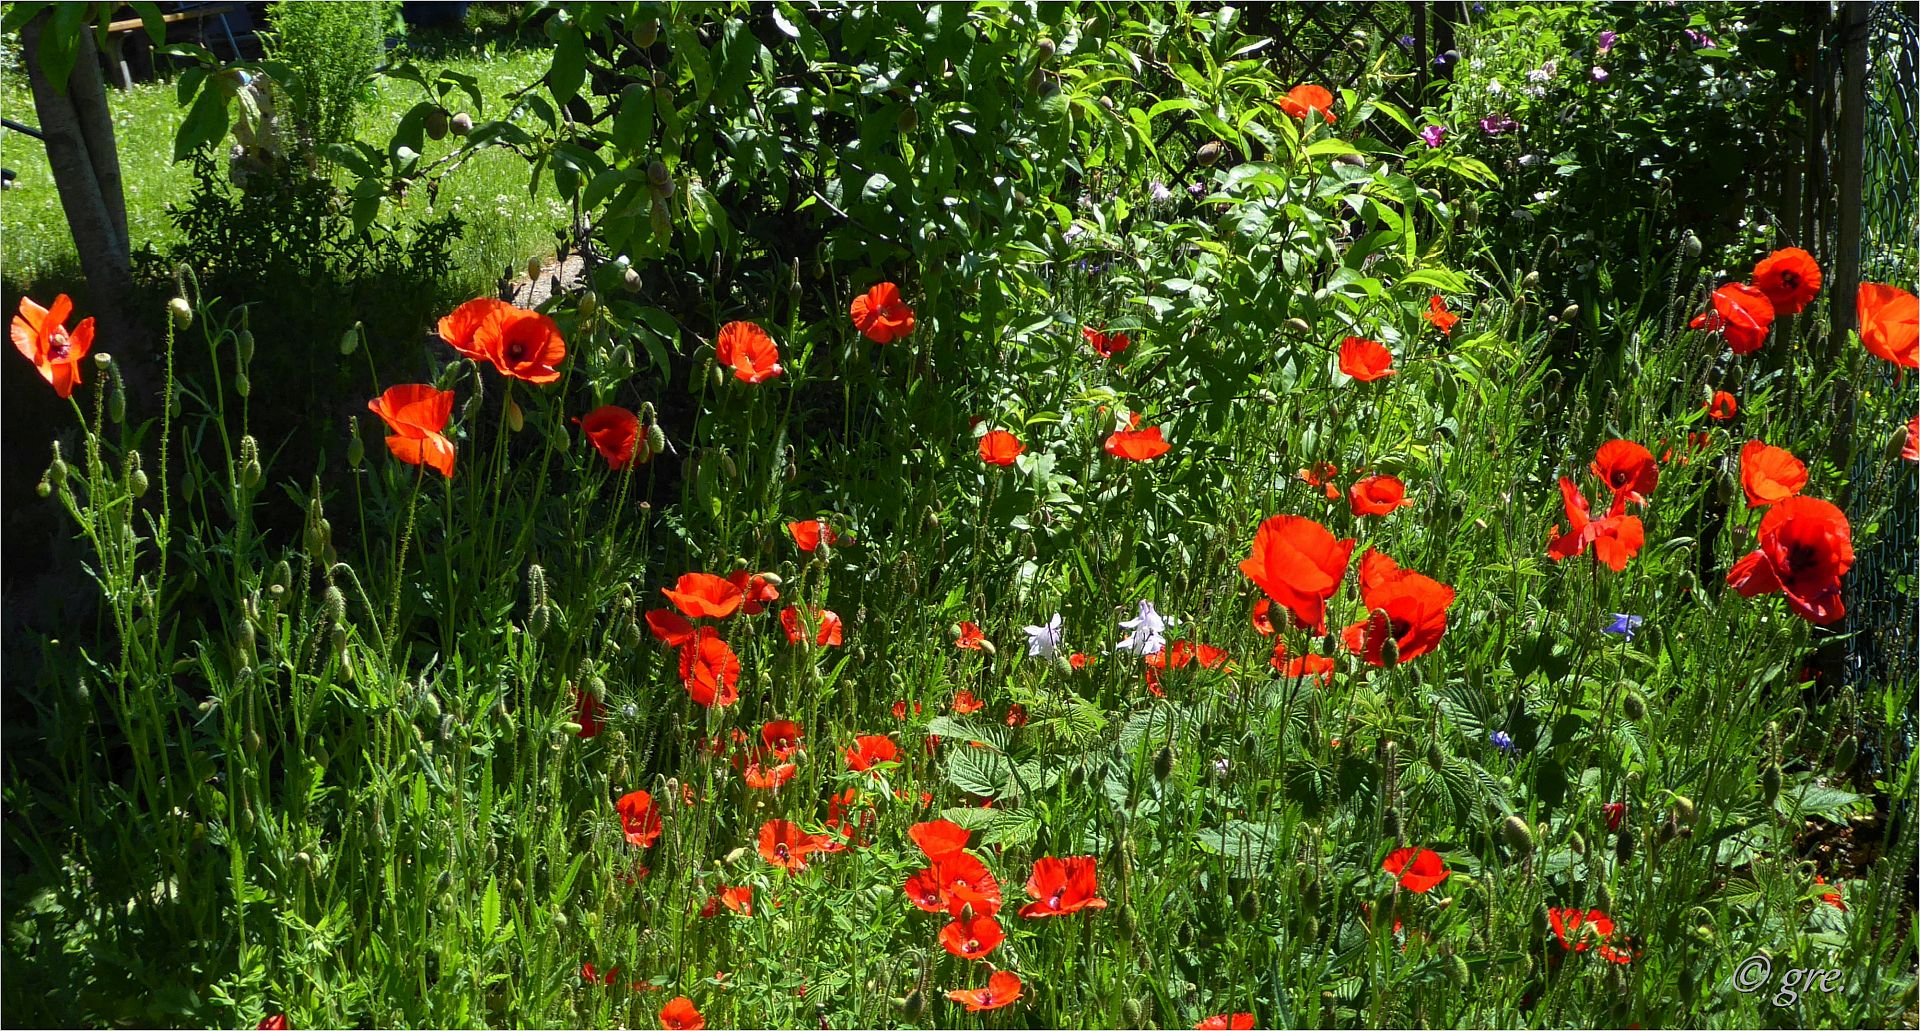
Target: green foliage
331, 48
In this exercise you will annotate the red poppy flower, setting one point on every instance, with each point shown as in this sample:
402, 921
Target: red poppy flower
829, 630
998, 447
870, 750
1614, 812
1298, 563
1789, 277
705, 596
1377, 495
964, 703
1806, 546
586, 712
970, 637
1419, 869
1626, 468
808, 533
639, 818
614, 432
709, 670
1321, 475
1437, 314
1106, 345
1889, 323
846, 826
939, 838
748, 351
756, 591
1409, 606
523, 345
1062, 886
1769, 474
1303, 101
416, 413
882, 315
782, 737
927, 890
1318, 667
1137, 445
41, 337
462, 328
277, 1022
900, 709
1740, 313
1002, 989
680, 1015
1724, 406
1226, 1022
1365, 360
786, 846
670, 627
1079, 660
972, 939
1911, 449
1262, 622
765, 778
1580, 931
739, 899
1832, 896
1017, 713
1616, 538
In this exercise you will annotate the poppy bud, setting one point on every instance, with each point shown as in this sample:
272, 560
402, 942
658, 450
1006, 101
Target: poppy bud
1457, 971
1634, 706
1691, 244
136, 476
1519, 836
1623, 846
589, 303
1389, 652
180, 312
516, 418
1435, 757
1129, 923
243, 385
280, 579
1843, 756
1577, 844
1163, 763
1683, 809
1133, 1013
1667, 830
533, 268
1531, 281
1770, 784
244, 339
915, 1006
1724, 486
1209, 153
1299, 325
1570, 312
1392, 823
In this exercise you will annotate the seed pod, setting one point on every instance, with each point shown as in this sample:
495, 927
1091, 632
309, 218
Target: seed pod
280, 580
1634, 706
438, 123
1770, 784
43, 488
180, 312
1209, 153
1519, 836
1844, 756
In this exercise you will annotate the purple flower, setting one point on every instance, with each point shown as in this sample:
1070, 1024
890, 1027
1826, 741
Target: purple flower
1701, 40
1624, 624
1599, 74
1495, 125
1434, 135
1607, 39
1502, 740
1406, 42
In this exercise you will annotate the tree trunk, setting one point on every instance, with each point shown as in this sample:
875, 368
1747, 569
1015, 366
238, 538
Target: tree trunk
78, 131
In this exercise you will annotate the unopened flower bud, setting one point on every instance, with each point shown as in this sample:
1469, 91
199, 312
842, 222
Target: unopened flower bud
1299, 325
180, 312
1519, 836
516, 419
350, 340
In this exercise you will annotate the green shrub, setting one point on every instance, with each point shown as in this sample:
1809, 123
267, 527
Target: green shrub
332, 48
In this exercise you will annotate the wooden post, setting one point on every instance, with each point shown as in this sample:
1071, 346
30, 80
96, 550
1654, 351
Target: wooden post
1850, 155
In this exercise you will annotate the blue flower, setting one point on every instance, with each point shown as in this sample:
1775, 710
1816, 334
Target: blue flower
1502, 740
1147, 632
1624, 625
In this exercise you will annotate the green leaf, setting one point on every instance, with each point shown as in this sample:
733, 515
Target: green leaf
205, 124
60, 44
992, 735
569, 67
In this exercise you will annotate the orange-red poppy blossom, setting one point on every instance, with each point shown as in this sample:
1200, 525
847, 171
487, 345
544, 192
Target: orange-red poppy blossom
1418, 869
522, 344
461, 329
747, 349
971, 637
1321, 475
1226, 1022
1106, 345
705, 596
1741, 313
756, 591
998, 447
782, 737
882, 315
1615, 538
586, 712
739, 899
828, 629
1806, 547
1889, 323
965, 704
1304, 100
1262, 617
808, 534
1911, 449
870, 750
1061, 886
670, 627
939, 838
1789, 277
972, 938
680, 1015
1377, 495
417, 413
1724, 406
1437, 314
786, 846
709, 670
41, 337
1318, 668
1137, 445
768, 778
1003, 989
1580, 931
1627, 469
639, 818
1298, 563
927, 890
1409, 607
1769, 474
614, 432
1365, 360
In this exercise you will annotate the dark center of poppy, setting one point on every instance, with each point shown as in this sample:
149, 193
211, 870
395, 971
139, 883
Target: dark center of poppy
59, 346
516, 351
1791, 278
1620, 478
780, 850
973, 945
1399, 628
1800, 556
1054, 901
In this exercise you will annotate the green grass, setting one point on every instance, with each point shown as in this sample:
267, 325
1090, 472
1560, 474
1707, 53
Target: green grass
504, 226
